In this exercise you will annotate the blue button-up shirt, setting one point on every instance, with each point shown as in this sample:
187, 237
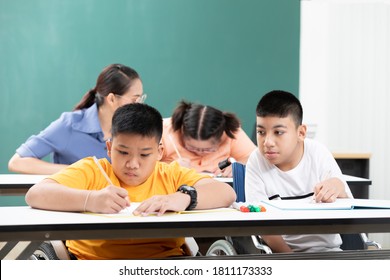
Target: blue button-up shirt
73, 136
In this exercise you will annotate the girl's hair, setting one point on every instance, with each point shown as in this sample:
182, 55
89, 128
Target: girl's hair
115, 78
203, 122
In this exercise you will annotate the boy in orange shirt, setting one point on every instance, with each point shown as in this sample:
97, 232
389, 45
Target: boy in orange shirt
137, 176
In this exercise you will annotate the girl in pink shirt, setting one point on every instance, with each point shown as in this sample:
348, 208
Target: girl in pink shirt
200, 136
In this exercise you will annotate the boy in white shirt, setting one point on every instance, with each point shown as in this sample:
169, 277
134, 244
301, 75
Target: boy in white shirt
288, 166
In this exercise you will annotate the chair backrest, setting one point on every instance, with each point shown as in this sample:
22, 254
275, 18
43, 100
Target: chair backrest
238, 170
352, 241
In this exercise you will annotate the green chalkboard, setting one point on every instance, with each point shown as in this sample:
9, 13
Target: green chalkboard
225, 53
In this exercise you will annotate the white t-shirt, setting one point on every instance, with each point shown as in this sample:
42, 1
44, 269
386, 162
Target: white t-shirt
265, 181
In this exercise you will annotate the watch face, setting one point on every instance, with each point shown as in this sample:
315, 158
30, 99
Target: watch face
188, 188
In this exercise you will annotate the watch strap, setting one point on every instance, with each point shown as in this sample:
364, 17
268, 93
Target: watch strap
191, 191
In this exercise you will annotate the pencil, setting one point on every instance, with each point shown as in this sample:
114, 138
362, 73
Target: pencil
107, 178
102, 170
174, 146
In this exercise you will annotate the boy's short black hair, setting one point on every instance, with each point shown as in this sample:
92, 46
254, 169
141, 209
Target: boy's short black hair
137, 118
278, 103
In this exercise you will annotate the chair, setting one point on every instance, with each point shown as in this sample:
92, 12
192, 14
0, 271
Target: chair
56, 250
51, 250
242, 244
255, 245
238, 171
358, 241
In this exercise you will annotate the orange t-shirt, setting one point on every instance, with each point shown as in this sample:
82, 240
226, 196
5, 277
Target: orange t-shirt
165, 179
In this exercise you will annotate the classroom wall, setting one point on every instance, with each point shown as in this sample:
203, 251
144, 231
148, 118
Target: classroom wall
224, 53
345, 59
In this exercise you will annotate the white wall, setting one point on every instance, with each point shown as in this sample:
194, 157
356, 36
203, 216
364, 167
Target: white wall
345, 82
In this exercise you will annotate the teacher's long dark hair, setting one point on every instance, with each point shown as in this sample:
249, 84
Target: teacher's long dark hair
115, 78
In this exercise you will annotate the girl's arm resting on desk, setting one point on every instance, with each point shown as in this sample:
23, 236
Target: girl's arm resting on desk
30, 165
50, 195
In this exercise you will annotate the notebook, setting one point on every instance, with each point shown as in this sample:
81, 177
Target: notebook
339, 204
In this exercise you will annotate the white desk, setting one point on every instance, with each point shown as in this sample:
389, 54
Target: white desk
18, 184
35, 226
357, 180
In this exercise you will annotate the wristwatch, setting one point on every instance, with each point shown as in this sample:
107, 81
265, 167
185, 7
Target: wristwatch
191, 191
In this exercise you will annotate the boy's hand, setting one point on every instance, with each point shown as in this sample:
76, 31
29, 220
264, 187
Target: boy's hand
159, 204
329, 190
109, 200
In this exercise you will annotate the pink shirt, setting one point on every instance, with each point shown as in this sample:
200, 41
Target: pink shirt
239, 148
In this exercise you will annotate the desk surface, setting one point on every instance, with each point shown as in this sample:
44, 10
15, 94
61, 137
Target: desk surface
23, 223
357, 180
351, 155
16, 180
26, 228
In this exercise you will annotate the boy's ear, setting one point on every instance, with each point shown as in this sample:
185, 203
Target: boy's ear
302, 131
160, 151
109, 145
